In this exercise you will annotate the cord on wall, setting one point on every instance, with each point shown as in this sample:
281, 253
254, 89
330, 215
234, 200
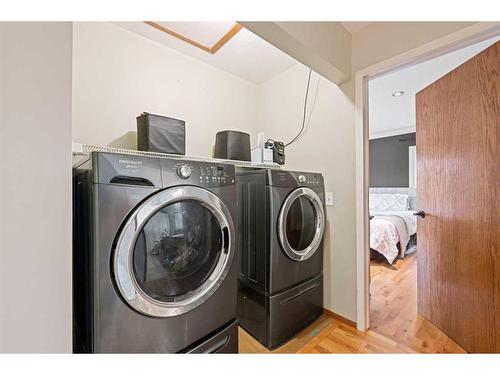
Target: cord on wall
304, 112
305, 125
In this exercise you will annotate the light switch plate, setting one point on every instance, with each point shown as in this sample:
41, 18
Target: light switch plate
329, 198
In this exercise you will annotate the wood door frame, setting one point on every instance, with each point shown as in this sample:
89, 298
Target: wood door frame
459, 39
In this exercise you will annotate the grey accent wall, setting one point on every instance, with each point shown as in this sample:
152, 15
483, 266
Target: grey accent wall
389, 160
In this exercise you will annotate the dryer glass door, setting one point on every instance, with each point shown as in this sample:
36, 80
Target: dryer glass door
174, 251
301, 224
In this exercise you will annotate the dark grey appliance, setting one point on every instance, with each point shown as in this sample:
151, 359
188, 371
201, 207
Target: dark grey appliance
281, 220
154, 255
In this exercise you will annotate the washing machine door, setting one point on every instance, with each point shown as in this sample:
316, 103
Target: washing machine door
301, 224
174, 251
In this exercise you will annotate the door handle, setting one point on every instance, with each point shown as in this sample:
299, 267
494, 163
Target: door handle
225, 239
420, 213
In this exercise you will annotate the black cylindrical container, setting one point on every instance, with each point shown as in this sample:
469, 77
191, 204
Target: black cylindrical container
232, 144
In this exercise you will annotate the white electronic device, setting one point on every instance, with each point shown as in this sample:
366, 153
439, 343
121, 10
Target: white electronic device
262, 155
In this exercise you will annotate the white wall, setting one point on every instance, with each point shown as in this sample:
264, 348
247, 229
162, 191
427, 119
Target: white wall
35, 187
118, 74
326, 147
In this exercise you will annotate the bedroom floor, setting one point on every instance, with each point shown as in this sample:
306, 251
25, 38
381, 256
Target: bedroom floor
393, 304
395, 326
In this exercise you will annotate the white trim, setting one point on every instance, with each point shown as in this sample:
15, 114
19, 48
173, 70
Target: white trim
390, 133
362, 277
460, 39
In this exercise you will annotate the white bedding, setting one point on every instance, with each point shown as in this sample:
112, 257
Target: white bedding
387, 228
408, 216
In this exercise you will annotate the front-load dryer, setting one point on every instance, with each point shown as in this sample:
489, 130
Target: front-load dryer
282, 221
154, 255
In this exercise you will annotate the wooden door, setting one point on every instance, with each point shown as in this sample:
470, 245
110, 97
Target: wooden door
458, 130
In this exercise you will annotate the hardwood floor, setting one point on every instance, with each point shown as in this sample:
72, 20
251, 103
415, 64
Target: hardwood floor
328, 336
395, 326
393, 305
247, 344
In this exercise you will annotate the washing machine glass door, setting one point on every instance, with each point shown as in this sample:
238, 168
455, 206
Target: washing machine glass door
174, 251
301, 224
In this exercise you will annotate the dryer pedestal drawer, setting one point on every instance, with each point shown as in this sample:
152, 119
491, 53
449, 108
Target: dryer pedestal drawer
224, 341
294, 309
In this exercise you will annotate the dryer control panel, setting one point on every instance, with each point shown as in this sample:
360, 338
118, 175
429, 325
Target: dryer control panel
295, 179
197, 173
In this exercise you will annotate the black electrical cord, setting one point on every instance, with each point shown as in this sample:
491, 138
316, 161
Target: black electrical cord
304, 112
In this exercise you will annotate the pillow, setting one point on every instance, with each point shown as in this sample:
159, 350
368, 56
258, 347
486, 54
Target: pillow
388, 202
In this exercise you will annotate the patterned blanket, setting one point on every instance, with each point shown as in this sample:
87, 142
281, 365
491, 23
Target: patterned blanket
388, 228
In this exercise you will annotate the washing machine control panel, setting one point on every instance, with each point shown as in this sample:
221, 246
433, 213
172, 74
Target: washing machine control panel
204, 174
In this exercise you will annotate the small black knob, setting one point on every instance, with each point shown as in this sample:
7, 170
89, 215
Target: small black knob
420, 213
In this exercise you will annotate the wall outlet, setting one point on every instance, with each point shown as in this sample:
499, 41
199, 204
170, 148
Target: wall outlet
328, 198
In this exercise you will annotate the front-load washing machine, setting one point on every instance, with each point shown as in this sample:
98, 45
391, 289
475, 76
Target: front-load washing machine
282, 221
154, 255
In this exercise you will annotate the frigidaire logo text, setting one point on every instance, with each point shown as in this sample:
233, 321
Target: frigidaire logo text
124, 161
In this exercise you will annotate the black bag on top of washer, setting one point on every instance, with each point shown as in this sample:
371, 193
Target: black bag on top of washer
157, 133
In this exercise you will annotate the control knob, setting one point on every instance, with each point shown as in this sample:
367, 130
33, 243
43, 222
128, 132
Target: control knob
302, 178
184, 171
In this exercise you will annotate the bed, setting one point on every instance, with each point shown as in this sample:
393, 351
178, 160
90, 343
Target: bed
393, 225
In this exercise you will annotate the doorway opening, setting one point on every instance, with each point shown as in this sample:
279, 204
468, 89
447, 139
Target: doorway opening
392, 231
